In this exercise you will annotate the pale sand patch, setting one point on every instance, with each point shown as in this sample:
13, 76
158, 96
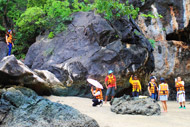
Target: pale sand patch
103, 115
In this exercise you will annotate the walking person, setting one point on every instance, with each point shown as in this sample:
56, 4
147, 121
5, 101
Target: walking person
9, 41
179, 84
136, 85
153, 88
110, 82
163, 93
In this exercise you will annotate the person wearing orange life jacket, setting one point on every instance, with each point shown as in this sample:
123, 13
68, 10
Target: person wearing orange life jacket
110, 83
136, 85
163, 93
179, 84
98, 100
152, 88
9, 41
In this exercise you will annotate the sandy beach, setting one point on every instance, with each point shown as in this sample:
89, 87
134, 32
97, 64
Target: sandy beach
173, 118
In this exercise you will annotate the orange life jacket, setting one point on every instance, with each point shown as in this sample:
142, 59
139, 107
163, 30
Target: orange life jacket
111, 79
10, 38
179, 86
99, 96
163, 89
152, 87
135, 85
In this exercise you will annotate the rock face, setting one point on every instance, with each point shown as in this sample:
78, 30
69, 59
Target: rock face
22, 107
135, 106
91, 46
3, 49
14, 72
171, 34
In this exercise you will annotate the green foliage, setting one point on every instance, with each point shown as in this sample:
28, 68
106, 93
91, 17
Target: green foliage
36, 3
152, 15
2, 28
51, 35
31, 20
114, 9
164, 29
152, 42
58, 12
81, 6
21, 47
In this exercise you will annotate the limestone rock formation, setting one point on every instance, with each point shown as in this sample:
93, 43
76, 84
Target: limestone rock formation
22, 107
14, 72
90, 47
172, 36
135, 106
3, 49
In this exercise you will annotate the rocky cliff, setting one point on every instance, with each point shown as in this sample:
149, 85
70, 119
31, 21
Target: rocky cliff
90, 47
172, 38
3, 49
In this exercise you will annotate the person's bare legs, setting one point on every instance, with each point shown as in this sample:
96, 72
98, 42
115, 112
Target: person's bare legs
106, 98
163, 105
180, 104
166, 108
184, 103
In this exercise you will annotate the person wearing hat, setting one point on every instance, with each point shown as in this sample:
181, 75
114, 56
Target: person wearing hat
163, 93
152, 88
9, 41
136, 85
110, 83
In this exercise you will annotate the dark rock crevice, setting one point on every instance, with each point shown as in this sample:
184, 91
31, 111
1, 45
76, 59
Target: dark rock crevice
180, 35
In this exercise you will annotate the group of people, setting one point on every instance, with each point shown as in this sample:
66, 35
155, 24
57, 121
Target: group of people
160, 92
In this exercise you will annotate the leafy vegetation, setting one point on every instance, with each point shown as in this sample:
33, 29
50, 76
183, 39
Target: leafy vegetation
115, 9
152, 15
51, 35
152, 42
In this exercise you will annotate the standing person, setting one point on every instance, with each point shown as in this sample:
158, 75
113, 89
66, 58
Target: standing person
152, 88
98, 100
136, 85
163, 93
180, 92
110, 82
9, 40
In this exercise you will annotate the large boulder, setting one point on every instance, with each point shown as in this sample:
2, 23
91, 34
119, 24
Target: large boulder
135, 106
14, 72
3, 49
90, 47
22, 107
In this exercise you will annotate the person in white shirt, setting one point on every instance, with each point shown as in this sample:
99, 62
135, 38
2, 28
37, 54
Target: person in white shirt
179, 84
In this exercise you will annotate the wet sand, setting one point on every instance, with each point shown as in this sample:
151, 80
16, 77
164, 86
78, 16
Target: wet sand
175, 117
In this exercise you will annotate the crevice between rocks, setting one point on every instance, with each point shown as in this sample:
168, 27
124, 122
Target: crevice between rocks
180, 35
